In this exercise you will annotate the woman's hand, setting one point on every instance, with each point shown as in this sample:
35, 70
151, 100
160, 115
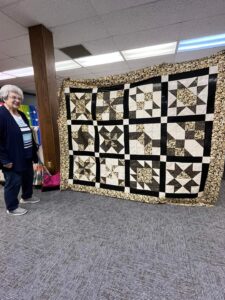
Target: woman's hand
8, 166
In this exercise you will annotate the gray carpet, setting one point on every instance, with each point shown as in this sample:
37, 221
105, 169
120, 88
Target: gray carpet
80, 246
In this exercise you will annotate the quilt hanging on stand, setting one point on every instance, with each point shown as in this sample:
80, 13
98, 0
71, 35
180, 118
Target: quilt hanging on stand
155, 135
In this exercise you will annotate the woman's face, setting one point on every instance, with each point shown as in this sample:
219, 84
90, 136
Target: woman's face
13, 101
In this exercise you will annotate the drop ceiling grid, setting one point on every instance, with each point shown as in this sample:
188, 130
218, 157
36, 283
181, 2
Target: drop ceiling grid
107, 26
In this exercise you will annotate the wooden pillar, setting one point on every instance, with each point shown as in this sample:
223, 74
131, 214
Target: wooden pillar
42, 51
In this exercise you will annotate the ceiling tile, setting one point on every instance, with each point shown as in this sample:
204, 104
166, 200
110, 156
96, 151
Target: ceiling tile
109, 72
76, 72
60, 56
26, 59
23, 80
79, 32
50, 13
3, 56
197, 9
11, 63
106, 6
151, 15
17, 46
202, 27
101, 46
147, 62
23, 83
82, 76
149, 37
94, 72
4, 3
190, 55
109, 67
78, 76
9, 28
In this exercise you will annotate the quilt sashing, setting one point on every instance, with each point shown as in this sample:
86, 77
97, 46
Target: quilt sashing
150, 138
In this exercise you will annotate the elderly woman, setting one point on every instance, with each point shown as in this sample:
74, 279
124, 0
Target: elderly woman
17, 151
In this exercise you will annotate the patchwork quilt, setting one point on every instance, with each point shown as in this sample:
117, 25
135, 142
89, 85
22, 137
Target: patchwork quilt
154, 135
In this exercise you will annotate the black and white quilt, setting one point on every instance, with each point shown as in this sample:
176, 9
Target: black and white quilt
150, 138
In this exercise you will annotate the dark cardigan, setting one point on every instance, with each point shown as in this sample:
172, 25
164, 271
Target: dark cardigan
11, 142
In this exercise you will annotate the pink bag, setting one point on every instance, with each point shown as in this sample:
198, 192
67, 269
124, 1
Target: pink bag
50, 182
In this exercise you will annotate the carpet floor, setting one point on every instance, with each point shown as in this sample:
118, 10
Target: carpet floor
87, 247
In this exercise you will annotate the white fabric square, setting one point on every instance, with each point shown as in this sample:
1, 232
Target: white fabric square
213, 70
165, 78
206, 159
163, 158
163, 120
209, 117
127, 189
162, 195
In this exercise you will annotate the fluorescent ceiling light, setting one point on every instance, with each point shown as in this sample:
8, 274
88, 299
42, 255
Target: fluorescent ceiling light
101, 59
20, 72
4, 76
156, 50
66, 65
202, 43
29, 71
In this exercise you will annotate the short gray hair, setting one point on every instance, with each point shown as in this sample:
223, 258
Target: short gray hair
9, 88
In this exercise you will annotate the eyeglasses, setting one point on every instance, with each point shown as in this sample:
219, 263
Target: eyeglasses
15, 98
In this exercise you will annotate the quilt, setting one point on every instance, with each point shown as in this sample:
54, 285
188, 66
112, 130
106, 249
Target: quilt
155, 135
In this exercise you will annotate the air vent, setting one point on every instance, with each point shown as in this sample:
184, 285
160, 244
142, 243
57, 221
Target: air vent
76, 51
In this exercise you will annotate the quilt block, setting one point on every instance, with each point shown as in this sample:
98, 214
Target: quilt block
158, 139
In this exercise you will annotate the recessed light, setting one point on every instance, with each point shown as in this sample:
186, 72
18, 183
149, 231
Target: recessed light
156, 50
4, 76
21, 72
204, 42
100, 59
66, 65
